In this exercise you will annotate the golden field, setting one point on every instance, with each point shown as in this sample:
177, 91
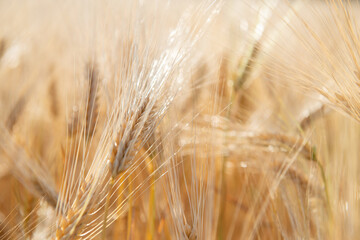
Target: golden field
179, 119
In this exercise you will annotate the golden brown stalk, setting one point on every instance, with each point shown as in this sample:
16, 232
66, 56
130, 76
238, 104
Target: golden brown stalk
151, 219
107, 203
120, 225
130, 212
154, 152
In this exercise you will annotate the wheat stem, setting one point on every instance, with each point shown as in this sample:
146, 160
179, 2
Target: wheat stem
151, 219
106, 211
130, 200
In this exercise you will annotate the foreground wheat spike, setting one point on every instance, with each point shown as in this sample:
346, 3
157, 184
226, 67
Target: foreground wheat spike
122, 150
147, 90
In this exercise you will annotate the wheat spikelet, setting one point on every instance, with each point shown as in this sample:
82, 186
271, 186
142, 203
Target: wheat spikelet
143, 86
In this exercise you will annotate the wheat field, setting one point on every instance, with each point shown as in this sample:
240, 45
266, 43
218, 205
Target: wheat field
166, 119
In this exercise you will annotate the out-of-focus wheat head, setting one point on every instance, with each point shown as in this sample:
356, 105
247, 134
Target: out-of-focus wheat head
314, 50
